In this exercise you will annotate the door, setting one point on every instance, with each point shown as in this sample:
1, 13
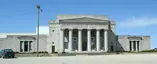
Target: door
112, 48
53, 49
84, 46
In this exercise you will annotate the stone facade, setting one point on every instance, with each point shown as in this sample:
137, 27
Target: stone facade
76, 34
22, 42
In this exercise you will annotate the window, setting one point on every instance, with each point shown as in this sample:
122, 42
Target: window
52, 42
92, 38
30, 42
74, 33
74, 38
130, 42
138, 43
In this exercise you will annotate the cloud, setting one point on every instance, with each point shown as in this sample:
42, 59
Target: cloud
43, 30
139, 22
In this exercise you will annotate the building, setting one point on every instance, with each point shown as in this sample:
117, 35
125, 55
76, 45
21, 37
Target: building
76, 34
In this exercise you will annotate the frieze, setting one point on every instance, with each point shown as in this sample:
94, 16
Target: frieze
135, 37
79, 26
26, 37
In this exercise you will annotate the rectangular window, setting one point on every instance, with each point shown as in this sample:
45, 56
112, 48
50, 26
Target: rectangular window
52, 42
26, 46
130, 45
134, 45
138, 45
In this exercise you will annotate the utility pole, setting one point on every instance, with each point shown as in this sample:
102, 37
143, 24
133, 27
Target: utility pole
38, 23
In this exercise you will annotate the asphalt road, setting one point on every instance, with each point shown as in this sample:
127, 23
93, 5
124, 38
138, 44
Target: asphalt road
101, 59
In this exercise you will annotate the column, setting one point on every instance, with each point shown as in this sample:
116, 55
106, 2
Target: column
28, 45
98, 39
80, 40
70, 40
23, 48
132, 46
62, 40
89, 39
106, 41
136, 45
140, 45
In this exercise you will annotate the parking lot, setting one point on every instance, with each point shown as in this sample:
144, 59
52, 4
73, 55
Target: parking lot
101, 59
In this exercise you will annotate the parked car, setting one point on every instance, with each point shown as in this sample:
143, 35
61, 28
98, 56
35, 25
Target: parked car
7, 53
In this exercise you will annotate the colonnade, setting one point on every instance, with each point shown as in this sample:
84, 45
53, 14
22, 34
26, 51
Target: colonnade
134, 45
25, 46
70, 40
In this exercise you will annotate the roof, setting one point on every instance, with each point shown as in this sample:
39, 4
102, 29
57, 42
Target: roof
70, 16
4, 35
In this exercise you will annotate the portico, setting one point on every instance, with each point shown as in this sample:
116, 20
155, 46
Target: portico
86, 40
135, 45
87, 33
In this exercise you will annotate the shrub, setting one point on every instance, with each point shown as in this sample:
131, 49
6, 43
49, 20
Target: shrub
149, 51
16, 52
63, 52
34, 52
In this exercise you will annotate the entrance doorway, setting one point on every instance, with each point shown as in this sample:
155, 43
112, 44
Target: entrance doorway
112, 48
53, 49
84, 46
25, 46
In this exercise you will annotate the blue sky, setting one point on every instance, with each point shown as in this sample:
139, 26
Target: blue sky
133, 17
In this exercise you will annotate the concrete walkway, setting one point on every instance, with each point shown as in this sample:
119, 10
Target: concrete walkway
101, 59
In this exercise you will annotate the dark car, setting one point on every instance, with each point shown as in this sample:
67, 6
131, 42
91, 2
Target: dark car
7, 53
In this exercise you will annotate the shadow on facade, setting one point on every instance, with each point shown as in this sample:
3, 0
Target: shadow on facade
118, 46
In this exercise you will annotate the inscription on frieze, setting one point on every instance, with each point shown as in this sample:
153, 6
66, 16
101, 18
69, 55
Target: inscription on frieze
82, 26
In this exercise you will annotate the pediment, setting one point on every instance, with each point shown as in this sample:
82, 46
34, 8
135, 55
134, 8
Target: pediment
82, 19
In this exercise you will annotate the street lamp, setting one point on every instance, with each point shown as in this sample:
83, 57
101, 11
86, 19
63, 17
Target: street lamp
39, 9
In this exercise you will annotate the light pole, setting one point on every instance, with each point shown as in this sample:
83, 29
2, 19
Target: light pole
39, 9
